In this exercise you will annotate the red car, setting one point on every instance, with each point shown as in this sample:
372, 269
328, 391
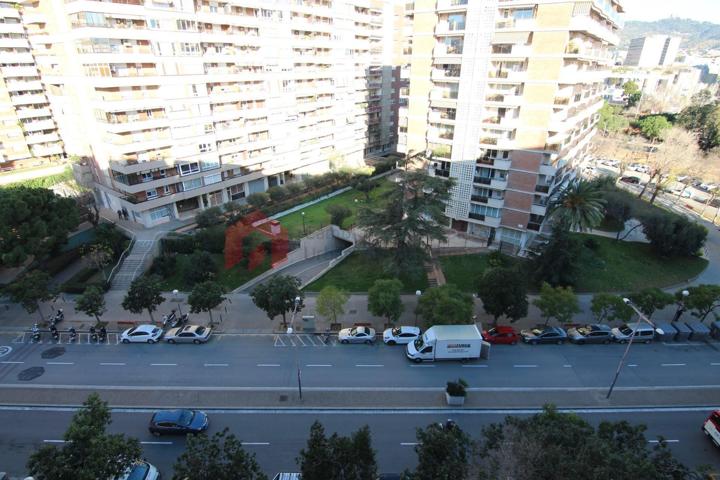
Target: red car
501, 335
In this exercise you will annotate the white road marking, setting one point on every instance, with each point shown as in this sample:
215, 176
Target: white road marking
163, 364
156, 443
474, 366
5, 350
368, 365
567, 366
678, 344
318, 365
53, 441
672, 364
666, 441
216, 364
60, 363
422, 366
299, 339
116, 364
279, 341
632, 364
409, 444
255, 443
524, 366
715, 364
7, 361
268, 364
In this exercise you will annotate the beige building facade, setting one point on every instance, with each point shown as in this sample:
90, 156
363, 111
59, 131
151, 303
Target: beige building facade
503, 97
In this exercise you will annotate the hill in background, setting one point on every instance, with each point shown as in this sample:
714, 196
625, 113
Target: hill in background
697, 36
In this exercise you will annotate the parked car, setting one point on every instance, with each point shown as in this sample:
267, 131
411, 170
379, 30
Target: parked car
287, 476
643, 332
400, 335
711, 427
176, 422
141, 334
357, 335
593, 333
501, 335
631, 180
140, 471
188, 334
544, 335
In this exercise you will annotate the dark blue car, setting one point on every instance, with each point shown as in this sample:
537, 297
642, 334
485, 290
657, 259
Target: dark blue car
178, 422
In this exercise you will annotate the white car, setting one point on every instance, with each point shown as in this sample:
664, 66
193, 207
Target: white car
400, 335
357, 335
141, 471
142, 334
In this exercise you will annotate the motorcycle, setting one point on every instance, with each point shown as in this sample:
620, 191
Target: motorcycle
103, 335
73, 334
170, 319
35, 333
93, 334
56, 335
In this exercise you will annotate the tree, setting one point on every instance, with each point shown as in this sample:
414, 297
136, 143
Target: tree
618, 209
579, 206
89, 453
610, 122
384, 299
702, 300
677, 153
199, 268
557, 262
704, 120
606, 306
674, 235
91, 302
651, 299
653, 127
563, 446
503, 292
33, 223
338, 457
632, 94
209, 217
277, 296
143, 294
445, 305
331, 302
338, 213
205, 296
110, 236
277, 193
99, 256
410, 215
220, 457
365, 185
29, 290
444, 453
557, 302
258, 200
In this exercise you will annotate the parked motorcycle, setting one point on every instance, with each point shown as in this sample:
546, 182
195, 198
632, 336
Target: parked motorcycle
35, 333
73, 334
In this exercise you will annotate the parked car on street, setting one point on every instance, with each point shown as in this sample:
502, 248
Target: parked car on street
178, 422
140, 471
593, 333
544, 335
631, 180
287, 476
644, 333
400, 335
141, 334
357, 335
188, 334
711, 427
501, 335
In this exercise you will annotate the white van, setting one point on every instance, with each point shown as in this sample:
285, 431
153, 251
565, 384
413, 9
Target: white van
644, 333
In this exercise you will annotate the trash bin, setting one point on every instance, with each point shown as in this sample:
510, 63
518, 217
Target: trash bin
699, 332
715, 329
683, 332
669, 331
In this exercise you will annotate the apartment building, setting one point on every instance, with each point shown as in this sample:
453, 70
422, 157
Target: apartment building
187, 104
28, 134
652, 51
503, 96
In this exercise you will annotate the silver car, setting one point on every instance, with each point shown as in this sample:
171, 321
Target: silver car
357, 335
188, 334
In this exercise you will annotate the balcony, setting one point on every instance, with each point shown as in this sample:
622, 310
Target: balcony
444, 151
515, 24
482, 180
584, 23
476, 216
29, 99
441, 173
534, 226
450, 5
450, 28
542, 188
446, 75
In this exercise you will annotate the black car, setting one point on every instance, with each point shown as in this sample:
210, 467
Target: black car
544, 335
178, 422
593, 333
633, 180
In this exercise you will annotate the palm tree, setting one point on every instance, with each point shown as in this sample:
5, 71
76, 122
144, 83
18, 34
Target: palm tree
579, 206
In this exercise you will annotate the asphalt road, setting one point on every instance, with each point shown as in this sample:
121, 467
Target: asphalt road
266, 361
276, 437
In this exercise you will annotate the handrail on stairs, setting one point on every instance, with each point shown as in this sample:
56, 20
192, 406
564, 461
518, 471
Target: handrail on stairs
115, 269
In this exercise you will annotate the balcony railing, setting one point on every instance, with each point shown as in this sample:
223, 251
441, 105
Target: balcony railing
533, 226
442, 152
476, 216
479, 198
442, 173
482, 180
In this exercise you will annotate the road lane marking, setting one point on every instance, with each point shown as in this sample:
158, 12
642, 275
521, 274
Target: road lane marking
409, 444
524, 366
254, 443
567, 366
268, 364
666, 441
60, 363
422, 366
672, 364
163, 364
474, 366
115, 364
216, 365
715, 364
9, 362
156, 443
632, 364
368, 365
318, 365
53, 441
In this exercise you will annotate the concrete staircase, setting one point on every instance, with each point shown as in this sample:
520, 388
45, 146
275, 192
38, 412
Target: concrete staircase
132, 266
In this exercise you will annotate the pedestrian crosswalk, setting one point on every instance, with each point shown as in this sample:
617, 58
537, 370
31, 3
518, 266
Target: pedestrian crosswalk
83, 338
303, 340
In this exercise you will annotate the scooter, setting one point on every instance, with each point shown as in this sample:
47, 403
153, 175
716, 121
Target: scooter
170, 319
93, 334
73, 334
178, 321
55, 335
103, 335
35, 334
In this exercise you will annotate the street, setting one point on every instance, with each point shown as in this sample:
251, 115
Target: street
277, 436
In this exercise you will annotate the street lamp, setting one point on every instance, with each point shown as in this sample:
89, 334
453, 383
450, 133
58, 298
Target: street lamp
418, 293
175, 294
296, 304
302, 214
632, 336
681, 306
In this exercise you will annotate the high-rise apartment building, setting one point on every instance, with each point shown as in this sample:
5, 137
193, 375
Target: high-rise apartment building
652, 51
186, 104
28, 134
503, 97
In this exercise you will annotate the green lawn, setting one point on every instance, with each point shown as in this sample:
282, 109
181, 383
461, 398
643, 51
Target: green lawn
358, 272
230, 278
612, 266
316, 217
609, 224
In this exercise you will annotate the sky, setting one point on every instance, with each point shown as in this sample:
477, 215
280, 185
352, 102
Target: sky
701, 10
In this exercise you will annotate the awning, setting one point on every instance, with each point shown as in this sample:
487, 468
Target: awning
511, 37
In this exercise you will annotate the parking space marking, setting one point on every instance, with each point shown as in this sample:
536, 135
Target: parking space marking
632, 364
672, 364
216, 365
279, 340
5, 350
567, 366
299, 339
20, 338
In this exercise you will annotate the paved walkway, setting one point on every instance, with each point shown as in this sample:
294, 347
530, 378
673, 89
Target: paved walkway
305, 270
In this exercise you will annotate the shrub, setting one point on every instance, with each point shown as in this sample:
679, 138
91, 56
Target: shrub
259, 199
208, 217
79, 282
211, 239
384, 166
277, 193
58, 263
295, 188
457, 389
164, 265
178, 244
674, 235
497, 259
111, 236
338, 213
199, 268
591, 244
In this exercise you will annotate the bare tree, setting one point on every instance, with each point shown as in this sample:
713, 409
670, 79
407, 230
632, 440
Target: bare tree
678, 150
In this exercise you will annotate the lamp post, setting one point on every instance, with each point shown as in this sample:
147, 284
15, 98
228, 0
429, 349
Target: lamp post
632, 336
296, 304
418, 293
302, 214
175, 294
681, 306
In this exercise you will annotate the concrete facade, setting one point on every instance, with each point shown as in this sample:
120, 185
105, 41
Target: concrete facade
652, 51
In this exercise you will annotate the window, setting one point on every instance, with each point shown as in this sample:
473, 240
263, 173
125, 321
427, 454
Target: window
153, 23
485, 210
163, 173
523, 13
210, 179
456, 22
192, 184
147, 177
208, 128
188, 168
167, 190
209, 164
185, 25
204, 147
150, 194
158, 213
